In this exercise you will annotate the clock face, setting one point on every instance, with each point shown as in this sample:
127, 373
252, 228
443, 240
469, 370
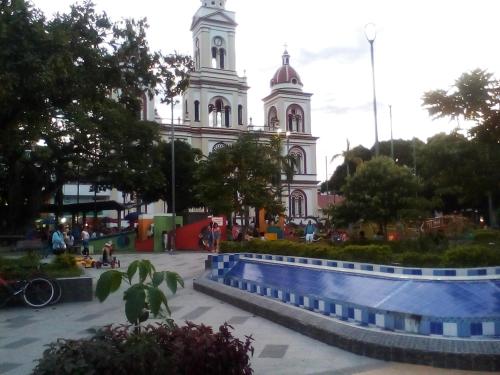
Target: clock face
218, 41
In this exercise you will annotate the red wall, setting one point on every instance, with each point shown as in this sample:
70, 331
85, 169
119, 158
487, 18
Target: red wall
187, 236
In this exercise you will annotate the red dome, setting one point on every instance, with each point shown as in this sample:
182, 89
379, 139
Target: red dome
286, 74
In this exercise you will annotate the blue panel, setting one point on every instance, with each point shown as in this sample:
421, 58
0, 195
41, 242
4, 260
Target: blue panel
476, 329
456, 298
386, 269
348, 265
478, 272
371, 318
303, 261
274, 293
290, 260
301, 300
331, 264
333, 309
444, 273
367, 267
258, 256
280, 258
269, 257
244, 285
350, 312
436, 328
231, 258
497, 271
412, 271
399, 323
316, 304
287, 296
226, 264
220, 272
316, 262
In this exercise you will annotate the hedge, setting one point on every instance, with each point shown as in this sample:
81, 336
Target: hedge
472, 255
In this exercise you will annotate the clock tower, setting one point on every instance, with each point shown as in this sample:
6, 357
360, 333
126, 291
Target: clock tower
217, 96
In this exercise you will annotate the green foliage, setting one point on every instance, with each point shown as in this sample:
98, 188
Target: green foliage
472, 256
487, 235
428, 251
142, 296
65, 260
379, 191
379, 254
88, 78
159, 349
415, 259
29, 265
239, 176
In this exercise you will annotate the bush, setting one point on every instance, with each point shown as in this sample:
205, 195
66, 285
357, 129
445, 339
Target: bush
414, 259
64, 261
472, 256
159, 349
380, 254
487, 235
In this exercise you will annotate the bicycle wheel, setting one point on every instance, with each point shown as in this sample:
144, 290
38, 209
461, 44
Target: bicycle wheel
57, 292
38, 292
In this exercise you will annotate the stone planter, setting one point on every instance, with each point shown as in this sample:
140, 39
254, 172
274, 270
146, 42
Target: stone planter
76, 289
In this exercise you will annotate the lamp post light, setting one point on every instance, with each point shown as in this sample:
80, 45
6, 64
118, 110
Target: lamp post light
371, 33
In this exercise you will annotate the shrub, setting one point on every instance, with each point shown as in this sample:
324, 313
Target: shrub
486, 235
414, 259
370, 253
64, 261
472, 256
159, 349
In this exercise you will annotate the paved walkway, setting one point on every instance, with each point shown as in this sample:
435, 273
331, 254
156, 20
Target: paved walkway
25, 332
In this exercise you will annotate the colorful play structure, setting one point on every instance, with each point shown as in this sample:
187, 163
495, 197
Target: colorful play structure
149, 229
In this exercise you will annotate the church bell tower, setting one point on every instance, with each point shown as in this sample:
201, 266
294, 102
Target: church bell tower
217, 96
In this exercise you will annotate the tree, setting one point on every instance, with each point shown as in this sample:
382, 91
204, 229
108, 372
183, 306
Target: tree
475, 96
352, 159
240, 176
186, 165
380, 191
71, 90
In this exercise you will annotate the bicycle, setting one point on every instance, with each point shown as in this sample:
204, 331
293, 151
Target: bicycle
36, 292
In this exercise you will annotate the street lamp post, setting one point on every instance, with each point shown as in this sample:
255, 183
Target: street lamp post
392, 142
172, 129
371, 33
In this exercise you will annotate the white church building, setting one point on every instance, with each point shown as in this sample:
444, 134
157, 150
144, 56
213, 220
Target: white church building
215, 105
215, 110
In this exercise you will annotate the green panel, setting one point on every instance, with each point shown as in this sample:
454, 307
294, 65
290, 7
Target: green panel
163, 223
123, 241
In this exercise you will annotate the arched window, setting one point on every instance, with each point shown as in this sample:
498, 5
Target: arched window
295, 116
240, 114
197, 54
219, 113
214, 57
299, 160
222, 52
196, 111
298, 204
272, 118
227, 116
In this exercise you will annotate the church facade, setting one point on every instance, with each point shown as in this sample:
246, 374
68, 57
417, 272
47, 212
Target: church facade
215, 105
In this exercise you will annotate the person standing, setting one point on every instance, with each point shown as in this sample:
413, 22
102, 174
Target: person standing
58, 244
85, 241
309, 231
216, 234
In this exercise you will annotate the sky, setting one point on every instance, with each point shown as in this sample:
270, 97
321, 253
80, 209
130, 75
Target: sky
420, 46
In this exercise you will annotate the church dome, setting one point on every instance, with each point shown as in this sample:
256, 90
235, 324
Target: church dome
286, 76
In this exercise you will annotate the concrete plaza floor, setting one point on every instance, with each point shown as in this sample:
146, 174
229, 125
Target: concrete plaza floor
24, 332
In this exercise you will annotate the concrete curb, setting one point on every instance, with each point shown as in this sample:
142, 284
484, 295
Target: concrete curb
479, 355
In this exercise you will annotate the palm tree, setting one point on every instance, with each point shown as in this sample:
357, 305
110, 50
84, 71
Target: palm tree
349, 157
